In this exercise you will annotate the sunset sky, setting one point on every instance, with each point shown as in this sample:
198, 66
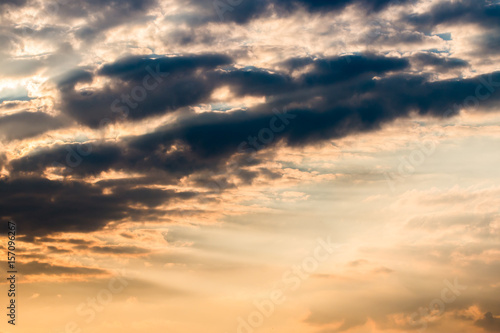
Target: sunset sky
241, 166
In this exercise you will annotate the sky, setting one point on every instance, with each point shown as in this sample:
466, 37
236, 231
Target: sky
300, 166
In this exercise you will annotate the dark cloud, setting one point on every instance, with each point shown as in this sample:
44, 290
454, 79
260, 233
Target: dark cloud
47, 206
12, 105
21, 67
8, 41
13, 3
3, 160
141, 87
101, 15
188, 80
337, 69
55, 249
385, 36
68, 80
191, 36
326, 5
25, 124
39, 268
440, 64
243, 11
87, 7
489, 323
222, 10
335, 98
152, 197
62, 240
482, 12
93, 16
135, 68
